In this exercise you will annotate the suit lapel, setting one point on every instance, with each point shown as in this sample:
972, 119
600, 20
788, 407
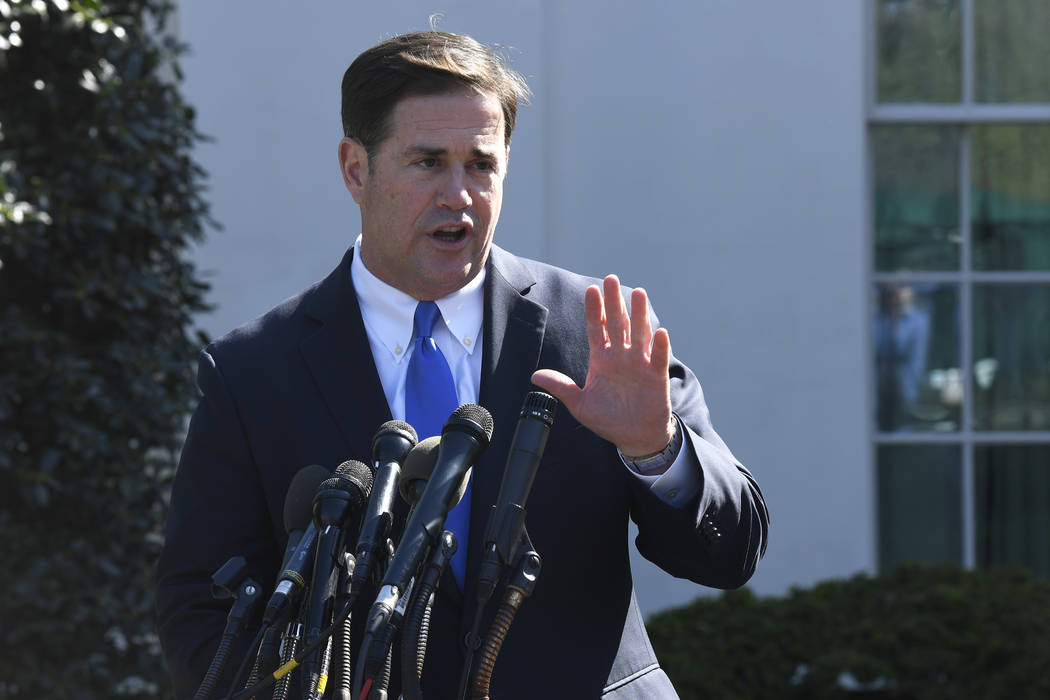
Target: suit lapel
340, 361
513, 335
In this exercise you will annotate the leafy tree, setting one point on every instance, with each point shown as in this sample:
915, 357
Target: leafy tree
99, 200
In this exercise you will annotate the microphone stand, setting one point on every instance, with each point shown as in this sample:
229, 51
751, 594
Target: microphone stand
342, 663
231, 580
523, 574
333, 651
277, 647
417, 621
372, 674
520, 587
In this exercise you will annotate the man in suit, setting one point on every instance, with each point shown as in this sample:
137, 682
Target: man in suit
427, 121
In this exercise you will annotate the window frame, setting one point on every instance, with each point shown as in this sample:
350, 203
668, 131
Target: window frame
965, 115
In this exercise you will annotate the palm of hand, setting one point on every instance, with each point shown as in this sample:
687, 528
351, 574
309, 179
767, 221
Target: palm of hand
626, 397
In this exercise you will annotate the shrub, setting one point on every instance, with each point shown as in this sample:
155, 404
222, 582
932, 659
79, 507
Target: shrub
922, 633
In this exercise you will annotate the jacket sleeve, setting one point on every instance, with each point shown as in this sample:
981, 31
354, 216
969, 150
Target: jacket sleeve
218, 510
717, 538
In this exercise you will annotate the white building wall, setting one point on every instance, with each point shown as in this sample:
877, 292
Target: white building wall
711, 151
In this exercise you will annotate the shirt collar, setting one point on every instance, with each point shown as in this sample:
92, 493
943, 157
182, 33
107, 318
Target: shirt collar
388, 312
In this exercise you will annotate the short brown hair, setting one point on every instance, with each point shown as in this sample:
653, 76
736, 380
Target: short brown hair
423, 63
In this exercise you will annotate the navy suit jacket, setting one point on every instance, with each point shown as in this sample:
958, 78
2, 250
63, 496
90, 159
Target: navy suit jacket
298, 386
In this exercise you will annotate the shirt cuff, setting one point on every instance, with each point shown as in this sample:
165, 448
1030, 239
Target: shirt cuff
681, 481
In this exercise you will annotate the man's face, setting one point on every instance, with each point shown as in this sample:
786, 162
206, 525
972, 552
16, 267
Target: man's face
430, 202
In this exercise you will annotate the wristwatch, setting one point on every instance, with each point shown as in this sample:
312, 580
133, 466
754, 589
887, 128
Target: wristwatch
658, 460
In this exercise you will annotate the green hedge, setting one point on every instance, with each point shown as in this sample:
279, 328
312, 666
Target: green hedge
923, 633
100, 201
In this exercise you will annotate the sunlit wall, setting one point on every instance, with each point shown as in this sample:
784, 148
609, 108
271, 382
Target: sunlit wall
711, 151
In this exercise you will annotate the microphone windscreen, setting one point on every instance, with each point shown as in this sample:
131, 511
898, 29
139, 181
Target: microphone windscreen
461, 488
357, 473
299, 501
474, 413
395, 427
541, 406
418, 466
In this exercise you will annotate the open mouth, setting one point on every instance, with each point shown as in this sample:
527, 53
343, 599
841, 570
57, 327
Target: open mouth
450, 234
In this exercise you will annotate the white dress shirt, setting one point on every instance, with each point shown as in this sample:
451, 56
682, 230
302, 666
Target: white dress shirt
388, 317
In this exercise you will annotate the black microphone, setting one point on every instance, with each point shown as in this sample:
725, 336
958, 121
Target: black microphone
302, 537
338, 501
390, 446
299, 505
464, 438
506, 526
507, 519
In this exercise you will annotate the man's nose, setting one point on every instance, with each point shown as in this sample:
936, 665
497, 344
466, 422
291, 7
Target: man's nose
455, 193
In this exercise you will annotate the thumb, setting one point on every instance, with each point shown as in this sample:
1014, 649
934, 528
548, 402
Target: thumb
558, 385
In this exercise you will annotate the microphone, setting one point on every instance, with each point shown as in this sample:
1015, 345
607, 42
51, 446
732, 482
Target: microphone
507, 519
299, 556
299, 505
506, 526
298, 522
464, 438
390, 447
339, 499
419, 465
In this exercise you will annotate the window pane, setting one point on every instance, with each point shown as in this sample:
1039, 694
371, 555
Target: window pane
916, 198
916, 334
917, 51
1010, 209
1012, 54
1013, 506
920, 492
1011, 350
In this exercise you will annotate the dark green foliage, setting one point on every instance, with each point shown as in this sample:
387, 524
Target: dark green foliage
916, 634
99, 200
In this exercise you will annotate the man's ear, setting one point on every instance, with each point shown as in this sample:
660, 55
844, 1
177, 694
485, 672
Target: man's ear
353, 164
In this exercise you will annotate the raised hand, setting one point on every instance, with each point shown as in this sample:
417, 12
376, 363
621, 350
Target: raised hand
627, 395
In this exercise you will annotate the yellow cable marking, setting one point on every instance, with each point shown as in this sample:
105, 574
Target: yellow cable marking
293, 575
285, 670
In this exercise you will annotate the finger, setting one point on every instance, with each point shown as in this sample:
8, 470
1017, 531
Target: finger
641, 330
660, 360
596, 334
616, 321
560, 386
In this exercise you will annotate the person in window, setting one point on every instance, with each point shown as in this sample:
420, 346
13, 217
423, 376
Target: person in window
901, 338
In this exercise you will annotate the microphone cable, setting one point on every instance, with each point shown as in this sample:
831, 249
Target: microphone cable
248, 657
289, 643
298, 658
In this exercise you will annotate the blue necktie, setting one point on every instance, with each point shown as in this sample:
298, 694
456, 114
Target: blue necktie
430, 398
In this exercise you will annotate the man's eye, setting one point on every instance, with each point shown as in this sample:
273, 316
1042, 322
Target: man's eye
427, 162
485, 165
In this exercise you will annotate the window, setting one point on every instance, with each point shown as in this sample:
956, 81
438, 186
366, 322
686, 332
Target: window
959, 144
